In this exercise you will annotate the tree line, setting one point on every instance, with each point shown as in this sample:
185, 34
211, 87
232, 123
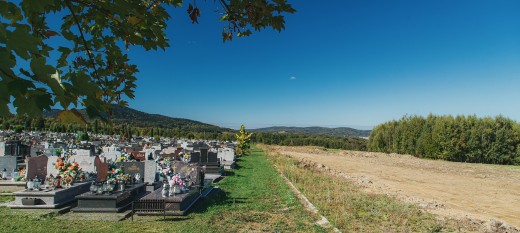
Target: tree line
332, 142
125, 130
461, 138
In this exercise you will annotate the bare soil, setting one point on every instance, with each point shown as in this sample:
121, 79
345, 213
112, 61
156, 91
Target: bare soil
485, 196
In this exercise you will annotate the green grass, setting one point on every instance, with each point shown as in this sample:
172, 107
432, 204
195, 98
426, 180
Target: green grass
348, 207
6, 198
253, 198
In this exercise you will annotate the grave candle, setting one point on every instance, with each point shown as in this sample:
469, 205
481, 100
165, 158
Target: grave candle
15, 175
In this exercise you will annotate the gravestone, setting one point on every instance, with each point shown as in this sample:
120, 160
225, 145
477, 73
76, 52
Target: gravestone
37, 166
203, 155
164, 156
178, 151
150, 171
51, 170
179, 167
212, 157
132, 168
9, 163
139, 155
195, 157
230, 155
112, 155
102, 171
2, 148
83, 152
86, 163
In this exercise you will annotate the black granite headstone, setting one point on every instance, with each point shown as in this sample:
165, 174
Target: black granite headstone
212, 157
203, 155
195, 157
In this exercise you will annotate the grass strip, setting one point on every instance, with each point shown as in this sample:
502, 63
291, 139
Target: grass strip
349, 208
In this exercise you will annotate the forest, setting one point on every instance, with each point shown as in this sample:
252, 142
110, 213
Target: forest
332, 142
461, 138
124, 129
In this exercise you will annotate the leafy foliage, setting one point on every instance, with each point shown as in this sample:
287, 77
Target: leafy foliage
72, 52
463, 139
339, 131
126, 122
332, 142
243, 139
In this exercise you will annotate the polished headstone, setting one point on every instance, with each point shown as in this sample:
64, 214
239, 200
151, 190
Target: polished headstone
212, 157
132, 168
203, 155
195, 157
37, 166
102, 171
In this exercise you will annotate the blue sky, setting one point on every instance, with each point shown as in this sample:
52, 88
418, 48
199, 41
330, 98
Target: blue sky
339, 63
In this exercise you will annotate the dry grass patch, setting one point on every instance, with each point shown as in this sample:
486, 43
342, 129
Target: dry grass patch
348, 207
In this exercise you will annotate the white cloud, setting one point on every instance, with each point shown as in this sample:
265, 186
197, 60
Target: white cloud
292, 78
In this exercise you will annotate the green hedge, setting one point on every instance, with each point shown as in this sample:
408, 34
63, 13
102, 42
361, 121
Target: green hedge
462, 138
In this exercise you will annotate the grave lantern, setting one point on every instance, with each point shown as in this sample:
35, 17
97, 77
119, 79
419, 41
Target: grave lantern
15, 175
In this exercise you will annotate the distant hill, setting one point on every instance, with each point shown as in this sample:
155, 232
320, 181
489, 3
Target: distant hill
340, 131
136, 118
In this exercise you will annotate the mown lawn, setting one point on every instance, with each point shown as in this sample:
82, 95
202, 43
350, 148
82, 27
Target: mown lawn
253, 198
6, 198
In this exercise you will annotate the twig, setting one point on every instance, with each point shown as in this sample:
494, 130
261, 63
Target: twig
89, 52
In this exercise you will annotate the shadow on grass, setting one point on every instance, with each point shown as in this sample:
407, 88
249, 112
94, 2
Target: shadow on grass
217, 197
173, 219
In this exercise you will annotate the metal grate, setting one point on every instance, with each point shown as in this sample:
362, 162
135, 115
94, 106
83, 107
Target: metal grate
149, 206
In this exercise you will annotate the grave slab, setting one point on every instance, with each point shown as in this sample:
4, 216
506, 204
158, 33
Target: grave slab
49, 199
115, 202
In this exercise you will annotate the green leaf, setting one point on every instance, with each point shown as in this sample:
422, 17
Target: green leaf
41, 70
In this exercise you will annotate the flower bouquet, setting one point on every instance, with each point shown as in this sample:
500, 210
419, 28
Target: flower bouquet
69, 171
116, 176
176, 185
166, 168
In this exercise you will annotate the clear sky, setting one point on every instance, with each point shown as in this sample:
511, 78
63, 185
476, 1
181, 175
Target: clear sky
339, 63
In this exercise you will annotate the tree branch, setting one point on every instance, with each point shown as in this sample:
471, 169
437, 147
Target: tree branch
89, 52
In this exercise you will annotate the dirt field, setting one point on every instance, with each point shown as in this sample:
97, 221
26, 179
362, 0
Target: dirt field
486, 195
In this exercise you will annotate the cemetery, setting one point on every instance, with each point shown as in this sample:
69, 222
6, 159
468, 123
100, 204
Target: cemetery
111, 177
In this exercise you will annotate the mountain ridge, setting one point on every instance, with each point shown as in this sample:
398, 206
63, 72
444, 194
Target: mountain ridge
316, 130
127, 115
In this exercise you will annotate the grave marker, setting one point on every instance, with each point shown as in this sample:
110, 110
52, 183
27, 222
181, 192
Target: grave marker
9, 163
132, 168
203, 155
86, 163
212, 157
195, 157
150, 171
37, 166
